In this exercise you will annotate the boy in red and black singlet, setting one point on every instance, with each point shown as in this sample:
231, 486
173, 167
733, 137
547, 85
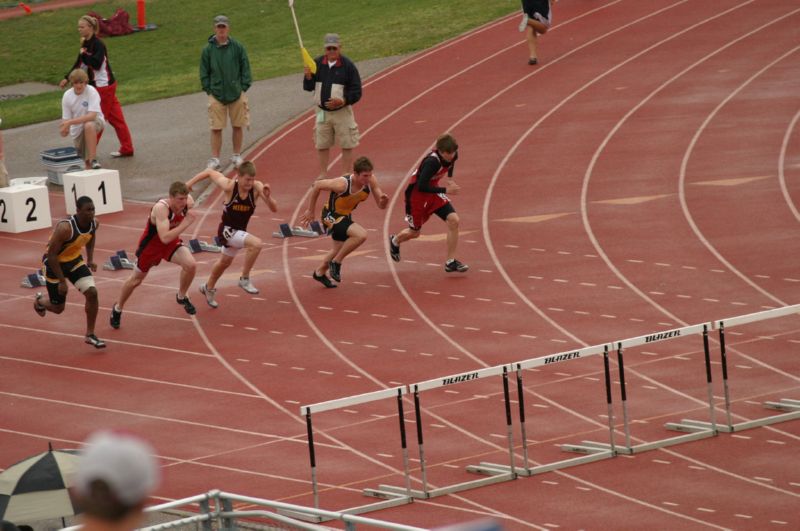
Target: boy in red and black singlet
239, 203
64, 261
425, 196
345, 193
161, 241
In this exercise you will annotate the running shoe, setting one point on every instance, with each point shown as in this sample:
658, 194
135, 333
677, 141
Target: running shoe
248, 286
37, 306
96, 165
187, 305
335, 270
533, 61
236, 160
454, 265
116, 316
524, 23
95, 341
325, 281
394, 250
213, 164
211, 294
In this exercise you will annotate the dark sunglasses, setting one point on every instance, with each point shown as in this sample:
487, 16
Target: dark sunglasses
331, 48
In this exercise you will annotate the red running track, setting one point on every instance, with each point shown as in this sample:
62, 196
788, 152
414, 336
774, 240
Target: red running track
643, 177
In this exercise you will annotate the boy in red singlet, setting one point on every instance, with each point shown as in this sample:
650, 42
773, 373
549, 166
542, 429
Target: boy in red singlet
424, 197
161, 241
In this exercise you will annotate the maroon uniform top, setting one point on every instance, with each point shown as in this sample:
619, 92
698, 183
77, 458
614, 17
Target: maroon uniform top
236, 213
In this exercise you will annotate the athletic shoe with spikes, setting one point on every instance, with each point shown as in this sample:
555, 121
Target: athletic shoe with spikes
245, 284
187, 305
211, 294
454, 265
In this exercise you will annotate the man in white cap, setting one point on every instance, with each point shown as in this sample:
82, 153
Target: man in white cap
337, 87
115, 476
225, 77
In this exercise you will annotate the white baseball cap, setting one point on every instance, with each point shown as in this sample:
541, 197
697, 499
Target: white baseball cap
124, 462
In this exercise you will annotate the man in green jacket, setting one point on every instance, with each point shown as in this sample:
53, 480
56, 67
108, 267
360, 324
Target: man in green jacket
225, 76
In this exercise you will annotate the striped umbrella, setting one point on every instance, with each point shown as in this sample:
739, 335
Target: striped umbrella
36, 488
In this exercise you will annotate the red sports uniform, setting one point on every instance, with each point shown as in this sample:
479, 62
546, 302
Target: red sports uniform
151, 249
423, 194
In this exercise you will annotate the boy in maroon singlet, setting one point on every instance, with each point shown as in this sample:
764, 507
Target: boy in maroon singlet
239, 203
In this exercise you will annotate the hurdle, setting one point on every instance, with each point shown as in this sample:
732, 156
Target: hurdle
495, 476
594, 451
789, 407
692, 431
390, 499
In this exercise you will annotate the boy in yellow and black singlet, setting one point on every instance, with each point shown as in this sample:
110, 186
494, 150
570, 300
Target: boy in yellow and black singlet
346, 193
64, 260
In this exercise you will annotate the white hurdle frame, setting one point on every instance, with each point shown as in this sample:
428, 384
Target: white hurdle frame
594, 451
497, 476
391, 499
790, 407
693, 431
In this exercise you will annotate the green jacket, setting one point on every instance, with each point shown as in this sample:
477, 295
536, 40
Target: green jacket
224, 70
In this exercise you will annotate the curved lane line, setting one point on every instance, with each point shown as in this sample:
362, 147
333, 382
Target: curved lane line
782, 166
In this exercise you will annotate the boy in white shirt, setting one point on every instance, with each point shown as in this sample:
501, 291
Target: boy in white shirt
82, 118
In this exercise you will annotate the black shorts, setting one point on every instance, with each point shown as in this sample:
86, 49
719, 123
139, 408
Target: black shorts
444, 211
338, 230
531, 7
73, 270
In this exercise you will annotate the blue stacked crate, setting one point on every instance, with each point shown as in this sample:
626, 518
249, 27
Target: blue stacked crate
58, 161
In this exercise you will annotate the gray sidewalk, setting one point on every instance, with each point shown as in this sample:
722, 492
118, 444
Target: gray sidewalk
171, 136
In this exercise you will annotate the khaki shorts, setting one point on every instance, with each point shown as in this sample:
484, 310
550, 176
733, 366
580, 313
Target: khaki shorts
3, 175
80, 140
218, 112
339, 126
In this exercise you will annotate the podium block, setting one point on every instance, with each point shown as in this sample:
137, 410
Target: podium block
39, 181
24, 207
101, 185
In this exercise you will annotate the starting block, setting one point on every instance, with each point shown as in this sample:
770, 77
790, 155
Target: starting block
119, 261
34, 280
287, 232
197, 246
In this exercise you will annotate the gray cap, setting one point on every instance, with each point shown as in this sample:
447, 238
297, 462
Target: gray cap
124, 462
221, 20
332, 39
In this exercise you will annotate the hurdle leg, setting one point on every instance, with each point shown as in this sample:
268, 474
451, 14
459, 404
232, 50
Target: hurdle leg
312, 459
726, 390
403, 444
509, 428
707, 356
608, 401
624, 397
522, 430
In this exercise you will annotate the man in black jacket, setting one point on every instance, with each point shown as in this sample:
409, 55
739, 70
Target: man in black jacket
337, 87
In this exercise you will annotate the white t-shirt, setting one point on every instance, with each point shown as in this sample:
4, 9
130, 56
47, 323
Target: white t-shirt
77, 105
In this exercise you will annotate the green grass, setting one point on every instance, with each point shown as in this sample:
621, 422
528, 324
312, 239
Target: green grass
163, 63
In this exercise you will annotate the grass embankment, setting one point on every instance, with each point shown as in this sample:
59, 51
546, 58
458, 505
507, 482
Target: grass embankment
164, 63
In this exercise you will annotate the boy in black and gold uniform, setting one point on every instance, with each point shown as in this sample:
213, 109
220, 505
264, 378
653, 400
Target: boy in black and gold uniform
346, 193
64, 260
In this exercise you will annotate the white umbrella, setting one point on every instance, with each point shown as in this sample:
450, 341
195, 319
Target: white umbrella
36, 488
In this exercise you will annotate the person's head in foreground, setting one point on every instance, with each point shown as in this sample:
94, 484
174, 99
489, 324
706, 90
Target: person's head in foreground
115, 476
